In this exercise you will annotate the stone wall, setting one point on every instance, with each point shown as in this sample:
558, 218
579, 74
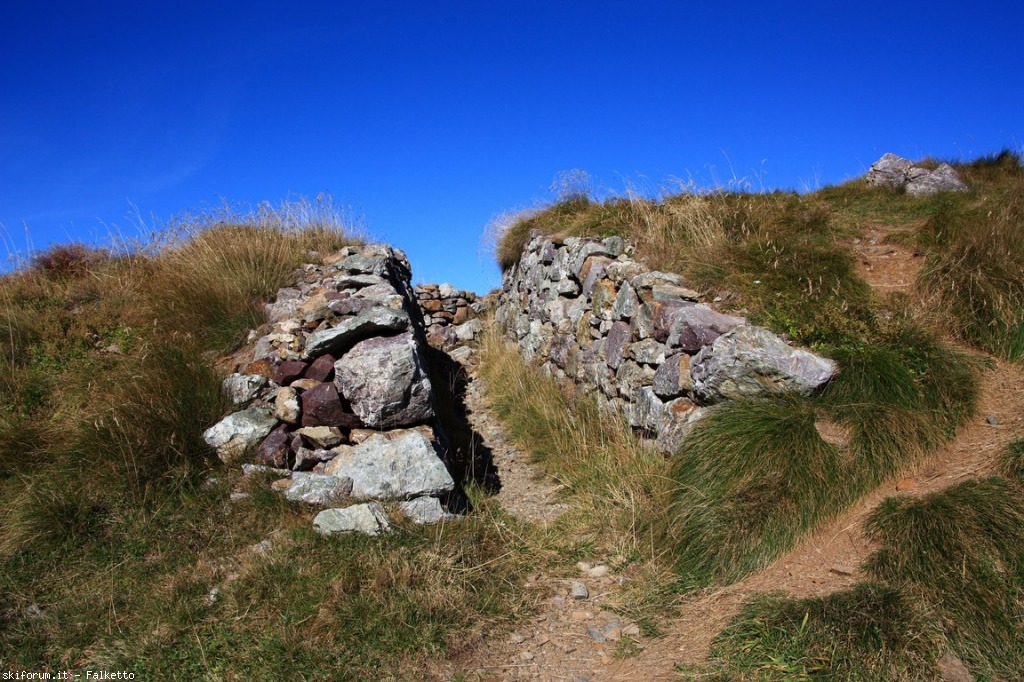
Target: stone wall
449, 315
641, 341
337, 399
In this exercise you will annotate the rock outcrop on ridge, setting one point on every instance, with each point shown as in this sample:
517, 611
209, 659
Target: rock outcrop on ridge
895, 171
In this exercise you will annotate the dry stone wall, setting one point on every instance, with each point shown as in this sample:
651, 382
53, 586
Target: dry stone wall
449, 315
641, 341
337, 398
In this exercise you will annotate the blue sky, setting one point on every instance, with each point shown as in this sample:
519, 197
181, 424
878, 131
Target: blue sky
429, 118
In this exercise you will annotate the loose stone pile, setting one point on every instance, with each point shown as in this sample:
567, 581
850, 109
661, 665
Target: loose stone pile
337, 397
895, 171
449, 315
639, 339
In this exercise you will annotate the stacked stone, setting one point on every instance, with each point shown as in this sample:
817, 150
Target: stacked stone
449, 314
640, 340
337, 397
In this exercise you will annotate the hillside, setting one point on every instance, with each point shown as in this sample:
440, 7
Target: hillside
867, 525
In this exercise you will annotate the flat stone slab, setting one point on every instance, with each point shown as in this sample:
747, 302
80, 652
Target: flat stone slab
401, 468
368, 519
371, 322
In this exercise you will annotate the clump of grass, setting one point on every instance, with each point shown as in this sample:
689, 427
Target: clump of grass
617, 485
974, 271
68, 260
870, 632
756, 475
961, 551
1012, 462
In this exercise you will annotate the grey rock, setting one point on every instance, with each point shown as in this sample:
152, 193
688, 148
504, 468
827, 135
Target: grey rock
423, 510
242, 388
368, 519
251, 469
239, 432
889, 171
671, 292
469, 330
675, 423
462, 354
406, 467
596, 633
385, 381
367, 265
673, 377
645, 411
578, 591
616, 343
626, 303
356, 282
318, 489
752, 362
371, 322
942, 179
648, 352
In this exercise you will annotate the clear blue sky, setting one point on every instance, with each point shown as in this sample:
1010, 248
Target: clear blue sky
429, 118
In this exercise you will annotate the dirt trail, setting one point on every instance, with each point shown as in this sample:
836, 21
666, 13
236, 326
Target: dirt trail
562, 642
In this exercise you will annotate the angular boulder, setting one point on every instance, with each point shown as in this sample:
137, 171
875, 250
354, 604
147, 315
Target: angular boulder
690, 326
942, 179
238, 432
423, 510
321, 406
368, 519
242, 388
399, 468
318, 489
889, 171
385, 381
753, 362
372, 321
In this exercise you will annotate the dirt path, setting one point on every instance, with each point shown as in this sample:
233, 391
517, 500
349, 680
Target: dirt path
577, 640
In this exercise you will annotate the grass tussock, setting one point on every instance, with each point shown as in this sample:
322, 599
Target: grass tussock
617, 486
757, 475
961, 551
870, 632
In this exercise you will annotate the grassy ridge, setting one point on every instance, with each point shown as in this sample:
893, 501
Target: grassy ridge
118, 550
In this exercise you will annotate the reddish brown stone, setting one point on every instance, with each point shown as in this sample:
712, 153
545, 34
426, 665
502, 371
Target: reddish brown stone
274, 451
263, 367
461, 315
442, 316
431, 305
322, 369
321, 406
288, 371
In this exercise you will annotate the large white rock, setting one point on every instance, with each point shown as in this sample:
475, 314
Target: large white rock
750, 362
396, 468
368, 519
242, 388
385, 381
236, 433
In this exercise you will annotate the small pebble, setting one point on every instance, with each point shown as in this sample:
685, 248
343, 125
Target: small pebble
584, 566
579, 591
631, 631
992, 419
595, 633
597, 571
516, 638
527, 656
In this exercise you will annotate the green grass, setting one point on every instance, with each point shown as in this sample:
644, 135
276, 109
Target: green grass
115, 522
757, 475
870, 632
961, 551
